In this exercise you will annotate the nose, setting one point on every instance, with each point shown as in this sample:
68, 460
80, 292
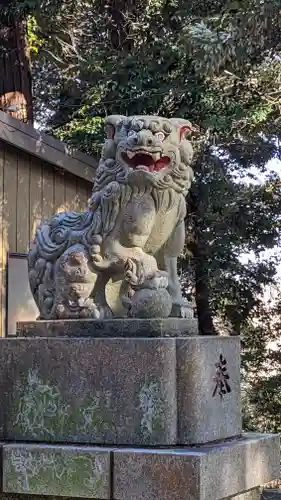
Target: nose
150, 141
143, 138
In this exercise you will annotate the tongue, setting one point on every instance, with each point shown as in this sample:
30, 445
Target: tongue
161, 163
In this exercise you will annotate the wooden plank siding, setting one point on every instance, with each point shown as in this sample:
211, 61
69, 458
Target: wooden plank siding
31, 190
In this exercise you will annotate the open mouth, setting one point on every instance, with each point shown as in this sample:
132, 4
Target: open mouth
150, 162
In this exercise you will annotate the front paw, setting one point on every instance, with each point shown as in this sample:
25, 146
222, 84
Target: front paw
134, 273
138, 272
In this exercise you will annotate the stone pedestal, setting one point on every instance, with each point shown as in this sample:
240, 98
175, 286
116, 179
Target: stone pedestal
208, 472
116, 327
120, 391
153, 416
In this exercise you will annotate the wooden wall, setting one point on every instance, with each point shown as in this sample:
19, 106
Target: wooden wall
30, 190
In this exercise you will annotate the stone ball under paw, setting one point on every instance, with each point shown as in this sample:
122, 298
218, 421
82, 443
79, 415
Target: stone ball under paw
151, 304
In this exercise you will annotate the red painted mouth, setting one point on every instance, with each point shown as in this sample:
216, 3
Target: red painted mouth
142, 161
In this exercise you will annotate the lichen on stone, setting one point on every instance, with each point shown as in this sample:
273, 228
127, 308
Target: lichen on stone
41, 409
40, 471
42, 412
151, 405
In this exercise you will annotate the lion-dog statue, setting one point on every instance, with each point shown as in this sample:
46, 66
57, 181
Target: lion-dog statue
119, 257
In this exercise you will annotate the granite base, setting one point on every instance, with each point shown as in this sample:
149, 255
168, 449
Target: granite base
231, 470
116, 327
208, 472
68, 471
250, 495
125, 391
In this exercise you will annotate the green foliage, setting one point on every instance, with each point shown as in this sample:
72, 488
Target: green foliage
16, 9
34, 41
262, 367
233, 218
87, 132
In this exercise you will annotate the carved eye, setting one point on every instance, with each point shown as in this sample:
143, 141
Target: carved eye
110, 131
160, 136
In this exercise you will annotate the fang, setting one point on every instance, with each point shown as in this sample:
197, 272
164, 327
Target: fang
130, 154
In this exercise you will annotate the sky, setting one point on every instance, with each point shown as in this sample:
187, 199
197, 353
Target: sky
275, 166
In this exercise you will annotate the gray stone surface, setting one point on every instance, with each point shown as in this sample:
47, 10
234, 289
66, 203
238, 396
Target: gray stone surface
157, 391
229, 471
251, 495
98, 391
204, 415
19, 496
209, 472
118, 327
56, 470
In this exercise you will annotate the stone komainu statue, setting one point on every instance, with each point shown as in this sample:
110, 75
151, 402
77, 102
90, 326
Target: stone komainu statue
119, 257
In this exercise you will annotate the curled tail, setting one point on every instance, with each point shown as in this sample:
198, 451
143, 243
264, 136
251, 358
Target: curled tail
51, 240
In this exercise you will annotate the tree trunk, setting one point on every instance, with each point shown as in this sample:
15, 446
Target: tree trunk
204, 313
199, 251
15, 81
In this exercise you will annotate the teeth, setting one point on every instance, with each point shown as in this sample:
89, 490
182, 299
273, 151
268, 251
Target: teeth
155, 156
143, 167
130, 154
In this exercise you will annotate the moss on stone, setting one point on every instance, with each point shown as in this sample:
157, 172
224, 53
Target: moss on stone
42, 413
55, 472
151, 405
